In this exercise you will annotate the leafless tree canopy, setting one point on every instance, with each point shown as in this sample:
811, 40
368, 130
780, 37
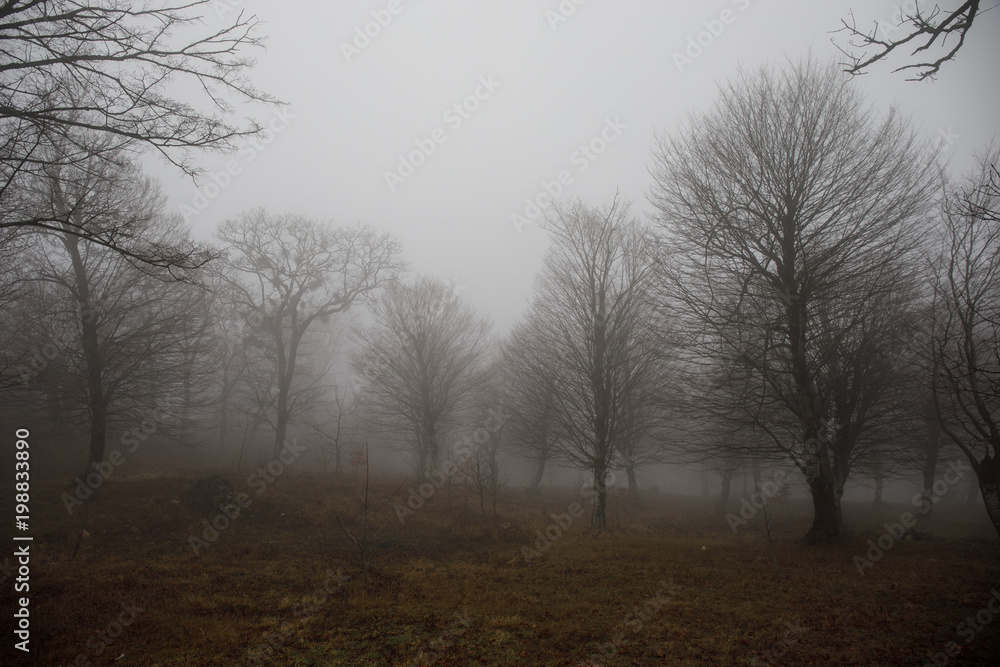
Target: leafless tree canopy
285, 273
591, 330
422, 362
127, 338
787, 210
965, 352
924, 31
81, 81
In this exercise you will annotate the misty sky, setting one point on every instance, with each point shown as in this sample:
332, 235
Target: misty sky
545, 89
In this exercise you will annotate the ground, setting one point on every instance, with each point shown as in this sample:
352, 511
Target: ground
669, 584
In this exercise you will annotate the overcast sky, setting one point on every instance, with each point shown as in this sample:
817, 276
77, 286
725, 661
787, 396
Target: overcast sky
609, 73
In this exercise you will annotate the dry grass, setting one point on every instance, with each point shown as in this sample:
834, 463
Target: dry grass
452, 588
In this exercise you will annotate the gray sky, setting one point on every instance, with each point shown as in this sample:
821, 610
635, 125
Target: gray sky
546, 87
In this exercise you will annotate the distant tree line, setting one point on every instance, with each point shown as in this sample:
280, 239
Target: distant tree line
812, 291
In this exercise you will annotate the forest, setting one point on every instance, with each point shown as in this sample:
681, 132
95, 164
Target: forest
275, 438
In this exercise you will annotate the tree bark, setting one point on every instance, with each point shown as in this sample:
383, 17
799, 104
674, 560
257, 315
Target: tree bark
599, 518
825, 526
988, 475
822, 486
840, 474
929, 471
536, 483
223, 417
97, 401
727, 484
633, 485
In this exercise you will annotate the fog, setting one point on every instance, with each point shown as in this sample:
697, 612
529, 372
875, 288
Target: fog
526, 333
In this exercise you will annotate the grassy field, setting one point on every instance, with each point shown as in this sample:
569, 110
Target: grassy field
118, 582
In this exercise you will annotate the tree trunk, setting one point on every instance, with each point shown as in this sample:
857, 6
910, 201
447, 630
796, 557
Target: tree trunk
90, 340
633, 485
727, 484
422, 471
929, 471
536, 483
223, 429
839, 480
755, 471
826, 525
98, 433
878, 488
281, 419
599, 518
432, 446
988, 474
286, 373
280, 431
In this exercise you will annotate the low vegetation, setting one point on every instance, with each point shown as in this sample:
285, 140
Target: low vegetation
669, 583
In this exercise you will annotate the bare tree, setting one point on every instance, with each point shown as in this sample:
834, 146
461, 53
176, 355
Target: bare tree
286, 273
591, 315
94, 77
489, 409
530, 398
786, 208
966, 327
229, 356
336, 426
923, 31
132, 337
422, 361
364, 536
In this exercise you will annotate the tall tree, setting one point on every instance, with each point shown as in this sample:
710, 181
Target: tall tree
530, 398
592, 316
422, 361
130, 340
785, 209
966, 327
284, 273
